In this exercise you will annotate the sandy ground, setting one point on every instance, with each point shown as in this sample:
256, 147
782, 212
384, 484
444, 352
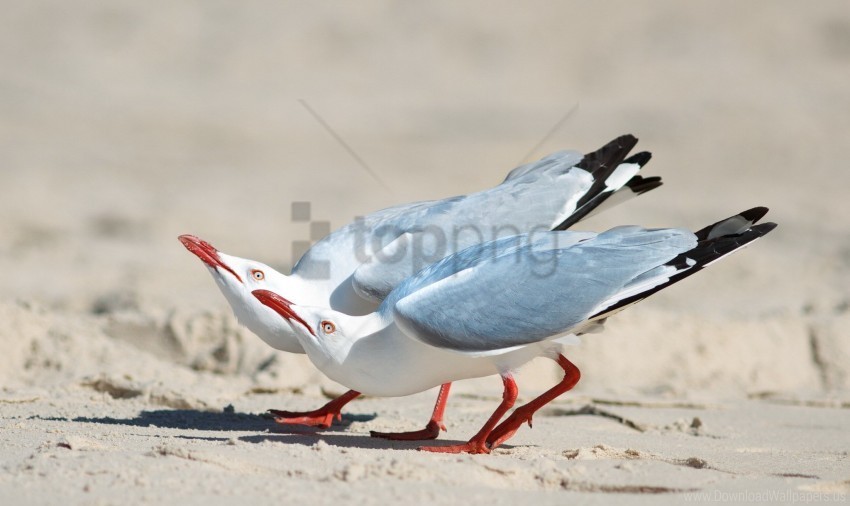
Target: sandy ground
124, 377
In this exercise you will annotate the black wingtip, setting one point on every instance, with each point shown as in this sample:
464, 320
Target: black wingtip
764, 228
608, 156
755, 214
641, 158
750, 215
705, 253
640, 184
601, 164
627, 139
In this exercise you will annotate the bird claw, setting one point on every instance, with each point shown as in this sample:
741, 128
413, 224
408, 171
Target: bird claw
508, 428
322, 419
496, 438
473, 447
431, 431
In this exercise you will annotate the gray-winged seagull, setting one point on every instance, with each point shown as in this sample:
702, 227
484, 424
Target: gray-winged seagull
370, 257
495, 306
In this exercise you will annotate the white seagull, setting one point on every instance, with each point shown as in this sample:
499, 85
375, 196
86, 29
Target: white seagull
495, 306
355, 267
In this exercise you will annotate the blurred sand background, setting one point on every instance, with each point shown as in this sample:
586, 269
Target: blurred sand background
123, 125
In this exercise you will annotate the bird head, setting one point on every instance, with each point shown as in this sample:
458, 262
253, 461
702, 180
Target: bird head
237, 278
321, 331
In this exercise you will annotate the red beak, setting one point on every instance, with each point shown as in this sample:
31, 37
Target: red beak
281, 306
206, 252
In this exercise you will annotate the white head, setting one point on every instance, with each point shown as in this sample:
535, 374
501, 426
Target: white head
325, 334
237, 278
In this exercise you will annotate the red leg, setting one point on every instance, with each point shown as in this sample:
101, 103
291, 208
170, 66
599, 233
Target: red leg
432, 430
322, 417
478, 443
523, 414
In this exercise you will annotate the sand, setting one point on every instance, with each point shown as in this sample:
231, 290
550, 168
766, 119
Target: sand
125, 378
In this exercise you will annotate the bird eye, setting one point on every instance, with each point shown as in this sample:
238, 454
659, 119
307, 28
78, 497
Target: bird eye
328, 327
258, 275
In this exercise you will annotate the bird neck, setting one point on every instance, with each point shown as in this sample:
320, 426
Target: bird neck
358, 327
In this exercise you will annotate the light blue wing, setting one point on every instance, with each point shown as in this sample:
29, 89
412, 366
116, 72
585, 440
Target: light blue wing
565, 157
523, 290
368, 258
552, 193
420, 237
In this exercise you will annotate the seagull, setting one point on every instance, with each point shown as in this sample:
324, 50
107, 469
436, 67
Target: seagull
354, 268
493, 307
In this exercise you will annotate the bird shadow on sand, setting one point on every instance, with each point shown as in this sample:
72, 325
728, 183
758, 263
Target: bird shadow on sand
264, 424
208, 420
350, 440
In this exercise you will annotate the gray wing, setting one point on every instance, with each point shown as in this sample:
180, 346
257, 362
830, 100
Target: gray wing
520, 291
335, 257
552, 193
557, 158
383, 242
398, 248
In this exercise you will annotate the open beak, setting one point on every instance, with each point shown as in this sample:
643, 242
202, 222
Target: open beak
280, 306
206, 252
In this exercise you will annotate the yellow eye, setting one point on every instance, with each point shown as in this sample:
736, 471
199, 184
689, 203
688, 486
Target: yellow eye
258, 275
328, 327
